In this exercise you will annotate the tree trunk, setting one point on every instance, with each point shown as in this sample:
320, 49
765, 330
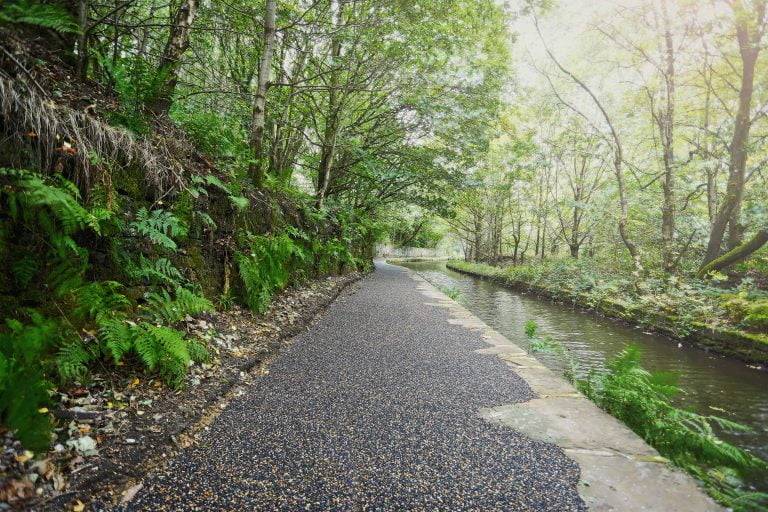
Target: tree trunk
328, 150
82, 39
712, 171
730, 210
666, 127
737, 254
258, 118
178, 42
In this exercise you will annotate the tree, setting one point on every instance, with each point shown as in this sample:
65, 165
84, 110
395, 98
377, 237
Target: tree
258, 119
750, 27
170, 62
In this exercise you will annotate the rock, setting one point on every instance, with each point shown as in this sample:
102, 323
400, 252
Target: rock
85, 446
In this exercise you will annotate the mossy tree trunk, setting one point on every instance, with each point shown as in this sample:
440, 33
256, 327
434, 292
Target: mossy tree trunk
737, 254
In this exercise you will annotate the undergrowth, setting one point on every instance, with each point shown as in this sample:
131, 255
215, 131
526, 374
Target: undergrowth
643, 401
451, 291
61, 319
93, 283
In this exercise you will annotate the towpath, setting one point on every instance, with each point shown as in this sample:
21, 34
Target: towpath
398, 399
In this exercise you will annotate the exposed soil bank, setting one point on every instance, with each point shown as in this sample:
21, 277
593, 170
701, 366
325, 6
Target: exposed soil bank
729, 342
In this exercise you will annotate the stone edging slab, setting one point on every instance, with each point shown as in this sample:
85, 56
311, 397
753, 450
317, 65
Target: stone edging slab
619, 471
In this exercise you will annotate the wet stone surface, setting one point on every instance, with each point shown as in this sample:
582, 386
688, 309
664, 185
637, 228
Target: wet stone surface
375, 407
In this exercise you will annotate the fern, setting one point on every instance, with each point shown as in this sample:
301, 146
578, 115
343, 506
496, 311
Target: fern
642, 400
269, 267
159, 271
161, 307
72, 361
40, 14
99, 300
31, 200
116, 337
164, 349
239, 202
25, 269
23, 384
160, 226
198, 352
145, 345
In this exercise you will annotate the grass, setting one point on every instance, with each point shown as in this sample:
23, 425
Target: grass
451, 292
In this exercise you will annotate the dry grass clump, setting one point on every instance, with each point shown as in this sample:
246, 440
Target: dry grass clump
56, 133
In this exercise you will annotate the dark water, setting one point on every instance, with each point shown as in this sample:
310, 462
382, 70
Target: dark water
711, 384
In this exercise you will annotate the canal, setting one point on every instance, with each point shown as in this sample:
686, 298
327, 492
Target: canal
710, 384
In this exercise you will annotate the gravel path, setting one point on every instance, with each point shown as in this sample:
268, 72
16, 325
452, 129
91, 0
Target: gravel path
374, 408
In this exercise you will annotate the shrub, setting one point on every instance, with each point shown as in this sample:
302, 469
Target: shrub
756, 316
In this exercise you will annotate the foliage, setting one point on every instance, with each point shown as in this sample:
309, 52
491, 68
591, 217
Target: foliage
677, 306
160, 307
160, 226
642, 400
267, 267
41, 14
452, 292
42, 228
23, 383
530, 329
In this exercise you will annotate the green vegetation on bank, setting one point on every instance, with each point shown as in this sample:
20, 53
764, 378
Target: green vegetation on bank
682, 308
162, 160
643, 401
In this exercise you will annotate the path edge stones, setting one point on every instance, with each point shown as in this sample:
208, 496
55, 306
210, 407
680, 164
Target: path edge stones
619, 471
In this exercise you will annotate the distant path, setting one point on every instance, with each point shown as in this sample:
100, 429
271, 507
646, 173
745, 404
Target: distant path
376, 407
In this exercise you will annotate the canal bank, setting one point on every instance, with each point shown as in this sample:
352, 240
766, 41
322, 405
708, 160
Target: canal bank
618, 470
750, 348
711, 384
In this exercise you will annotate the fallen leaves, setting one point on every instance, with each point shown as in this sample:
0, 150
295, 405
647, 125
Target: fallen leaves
119, 416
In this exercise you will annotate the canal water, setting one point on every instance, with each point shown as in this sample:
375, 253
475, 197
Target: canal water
711, 384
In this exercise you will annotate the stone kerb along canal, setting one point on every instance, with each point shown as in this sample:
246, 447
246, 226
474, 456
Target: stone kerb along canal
619, 471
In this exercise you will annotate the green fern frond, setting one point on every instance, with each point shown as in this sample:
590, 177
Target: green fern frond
116, 336
72, 361
25, 269
198, 352
145, 345
40, 14
99, 299
161, 307
160, 226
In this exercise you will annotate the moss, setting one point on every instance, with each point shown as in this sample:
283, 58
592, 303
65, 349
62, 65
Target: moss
203, 269
130, 181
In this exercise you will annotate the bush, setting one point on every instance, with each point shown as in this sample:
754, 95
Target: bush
756, 316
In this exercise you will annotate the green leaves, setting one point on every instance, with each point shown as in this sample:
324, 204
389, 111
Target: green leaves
23, 383
40, 14
161, 307
160, 227
642, 400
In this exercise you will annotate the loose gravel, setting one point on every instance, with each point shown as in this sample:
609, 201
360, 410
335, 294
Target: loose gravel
375, 407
